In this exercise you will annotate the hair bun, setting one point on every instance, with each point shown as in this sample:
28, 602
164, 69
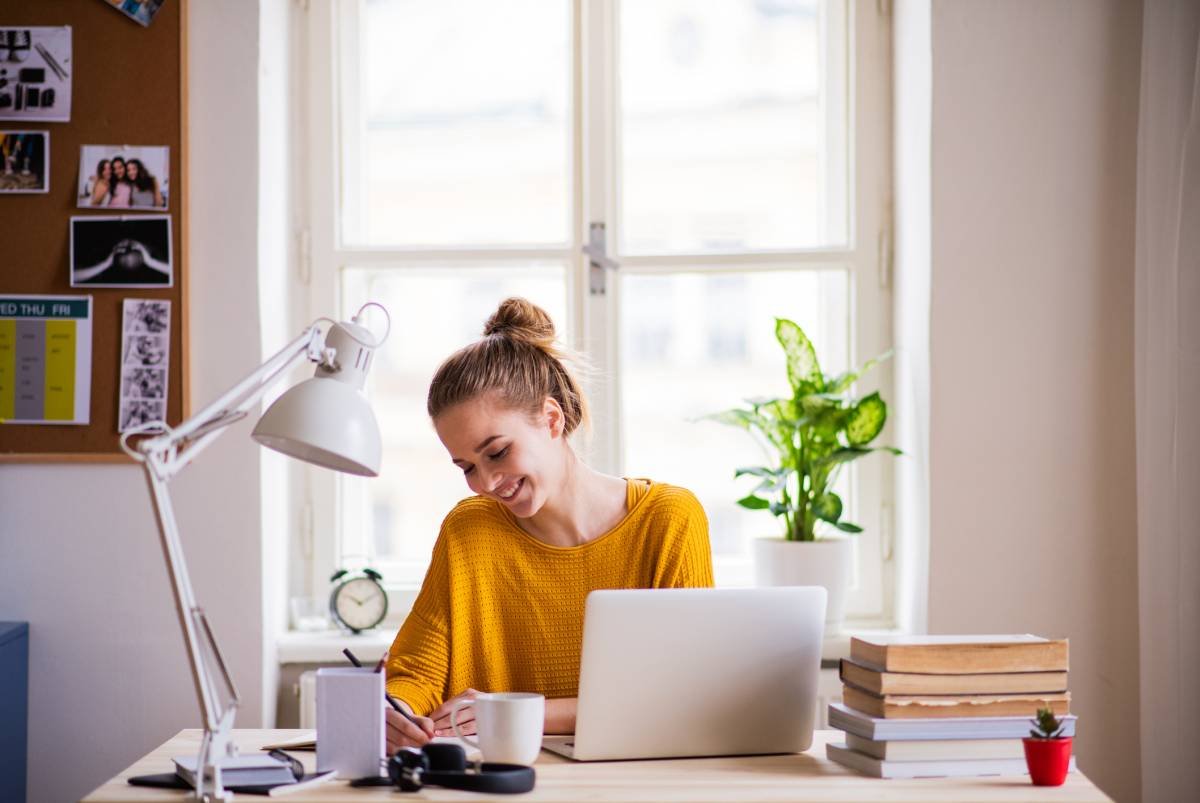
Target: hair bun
520, 319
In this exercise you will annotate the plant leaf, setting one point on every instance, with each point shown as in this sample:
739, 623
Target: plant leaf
753, 502
802, 366
756, 471
867, 420
847, 527
847, 379
828, 507
778, 508
734, 418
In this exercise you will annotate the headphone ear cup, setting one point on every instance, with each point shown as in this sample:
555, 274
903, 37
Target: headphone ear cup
445, 757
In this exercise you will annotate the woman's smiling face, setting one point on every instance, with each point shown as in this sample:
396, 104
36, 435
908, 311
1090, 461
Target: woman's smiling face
506, 454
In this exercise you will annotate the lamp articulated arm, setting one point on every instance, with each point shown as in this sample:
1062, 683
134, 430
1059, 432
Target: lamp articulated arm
329, 423
162, 457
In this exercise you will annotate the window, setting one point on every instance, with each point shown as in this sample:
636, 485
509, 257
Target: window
730, 157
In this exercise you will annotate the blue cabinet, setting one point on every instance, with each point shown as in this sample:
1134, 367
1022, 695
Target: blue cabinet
14, 708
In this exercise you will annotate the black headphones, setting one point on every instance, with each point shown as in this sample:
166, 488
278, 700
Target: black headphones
444, 764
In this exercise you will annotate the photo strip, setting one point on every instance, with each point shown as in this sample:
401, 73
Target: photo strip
124, 177
121, 251
24, 161
145, 361
140, 11
35, 74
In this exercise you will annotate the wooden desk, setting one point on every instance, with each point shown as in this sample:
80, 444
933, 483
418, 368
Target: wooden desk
808, 776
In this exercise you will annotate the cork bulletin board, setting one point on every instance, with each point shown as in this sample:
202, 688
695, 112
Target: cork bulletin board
127, 89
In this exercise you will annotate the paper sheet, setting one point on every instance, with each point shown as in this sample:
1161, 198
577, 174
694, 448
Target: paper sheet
45, 359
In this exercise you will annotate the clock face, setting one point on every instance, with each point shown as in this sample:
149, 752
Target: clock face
360, 603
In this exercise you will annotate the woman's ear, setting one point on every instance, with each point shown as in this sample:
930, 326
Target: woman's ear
552, 412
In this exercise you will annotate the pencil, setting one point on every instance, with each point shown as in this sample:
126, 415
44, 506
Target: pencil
392, 701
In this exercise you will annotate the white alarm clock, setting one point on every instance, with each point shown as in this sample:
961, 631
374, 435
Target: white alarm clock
358, 602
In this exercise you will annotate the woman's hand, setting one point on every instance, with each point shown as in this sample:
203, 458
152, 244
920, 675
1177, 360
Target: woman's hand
560, 715
402, 733
466, 716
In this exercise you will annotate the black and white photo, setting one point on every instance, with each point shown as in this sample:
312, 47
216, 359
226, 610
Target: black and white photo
24, 161
145, 350
145, 361
35, 74
141, 411
124, 177
121, 251
147, 315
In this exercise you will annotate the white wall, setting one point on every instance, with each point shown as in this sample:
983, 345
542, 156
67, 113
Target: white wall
1032, 441
79, 553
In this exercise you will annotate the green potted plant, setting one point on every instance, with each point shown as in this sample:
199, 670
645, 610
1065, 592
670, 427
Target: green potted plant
1047, 751
809, 437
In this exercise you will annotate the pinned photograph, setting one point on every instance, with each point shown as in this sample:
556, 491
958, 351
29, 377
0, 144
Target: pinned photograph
124, 176
145, 351
145, 383
147, 316
35, 74
24, 161
145, 361
140, 11
121, 251
140, 411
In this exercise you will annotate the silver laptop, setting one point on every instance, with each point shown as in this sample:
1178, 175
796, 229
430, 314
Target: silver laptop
697, 672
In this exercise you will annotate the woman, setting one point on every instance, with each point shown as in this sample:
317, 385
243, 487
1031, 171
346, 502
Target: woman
101, 182
145, 186
501, 607
120, 189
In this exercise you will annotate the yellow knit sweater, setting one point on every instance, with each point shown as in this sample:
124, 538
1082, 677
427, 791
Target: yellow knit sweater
501, 611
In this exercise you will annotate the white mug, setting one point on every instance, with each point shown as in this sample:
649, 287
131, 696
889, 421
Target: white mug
508, 724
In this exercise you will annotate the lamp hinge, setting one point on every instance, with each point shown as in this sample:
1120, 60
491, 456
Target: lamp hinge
599, 262
304, 256
885, 256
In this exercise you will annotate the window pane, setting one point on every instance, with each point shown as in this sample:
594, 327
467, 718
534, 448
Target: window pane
693, 344
456, 123
732, 126
434, 312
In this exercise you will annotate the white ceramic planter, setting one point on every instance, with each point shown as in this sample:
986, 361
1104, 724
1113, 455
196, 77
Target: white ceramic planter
778, 562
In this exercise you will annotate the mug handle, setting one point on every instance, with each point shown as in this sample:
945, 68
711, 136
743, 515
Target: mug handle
460, 705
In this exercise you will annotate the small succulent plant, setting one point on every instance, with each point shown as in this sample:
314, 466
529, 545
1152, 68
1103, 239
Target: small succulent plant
1048, 726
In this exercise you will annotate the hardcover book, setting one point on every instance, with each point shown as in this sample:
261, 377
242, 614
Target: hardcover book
960, 655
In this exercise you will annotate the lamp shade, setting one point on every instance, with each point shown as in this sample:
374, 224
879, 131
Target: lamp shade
326, 422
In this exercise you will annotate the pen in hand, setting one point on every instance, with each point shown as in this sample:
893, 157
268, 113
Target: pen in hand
392, 701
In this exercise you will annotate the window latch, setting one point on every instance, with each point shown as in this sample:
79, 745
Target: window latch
599, 262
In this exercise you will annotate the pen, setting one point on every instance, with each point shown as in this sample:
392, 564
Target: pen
392, 701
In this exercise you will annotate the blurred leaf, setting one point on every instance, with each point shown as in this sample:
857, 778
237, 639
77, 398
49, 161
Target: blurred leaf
828, 507
847, 527
867, 420
847, 379
778, 508
802, 366
753, 502
756, 471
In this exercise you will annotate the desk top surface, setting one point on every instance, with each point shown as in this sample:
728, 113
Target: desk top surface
808, 776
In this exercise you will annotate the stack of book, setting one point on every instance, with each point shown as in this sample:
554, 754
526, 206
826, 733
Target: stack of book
946, 706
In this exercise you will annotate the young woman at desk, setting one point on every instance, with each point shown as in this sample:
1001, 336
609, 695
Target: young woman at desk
501, 607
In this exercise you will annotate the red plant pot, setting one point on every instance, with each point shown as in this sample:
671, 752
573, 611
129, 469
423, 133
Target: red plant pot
1048, 760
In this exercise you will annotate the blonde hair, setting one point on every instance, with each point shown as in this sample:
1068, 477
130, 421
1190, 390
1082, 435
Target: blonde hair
517, 357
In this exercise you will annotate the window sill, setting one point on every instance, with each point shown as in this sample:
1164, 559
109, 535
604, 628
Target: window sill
325, 647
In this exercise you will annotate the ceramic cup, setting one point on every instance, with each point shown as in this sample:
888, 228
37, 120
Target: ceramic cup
509, 726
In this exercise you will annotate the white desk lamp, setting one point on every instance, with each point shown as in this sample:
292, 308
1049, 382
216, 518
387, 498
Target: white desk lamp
325, 420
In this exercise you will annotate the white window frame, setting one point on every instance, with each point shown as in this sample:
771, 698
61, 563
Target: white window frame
866, 63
